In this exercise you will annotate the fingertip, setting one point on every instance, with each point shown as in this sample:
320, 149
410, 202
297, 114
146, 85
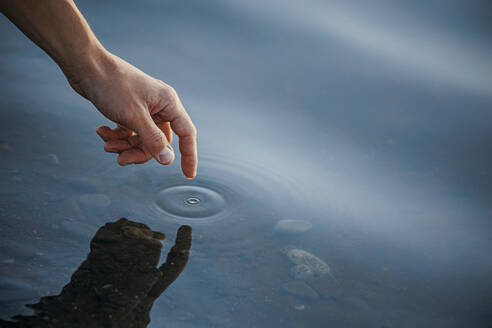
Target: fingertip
101, 132
189, 166
184, 229
122, 162
106, 147
158, 235
189, 174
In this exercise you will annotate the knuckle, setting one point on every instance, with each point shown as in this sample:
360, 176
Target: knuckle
186, 126
169, 92
154, 136
193, 131
130, 116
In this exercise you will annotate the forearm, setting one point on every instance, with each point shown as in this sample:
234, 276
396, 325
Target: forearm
145, 109
58, 27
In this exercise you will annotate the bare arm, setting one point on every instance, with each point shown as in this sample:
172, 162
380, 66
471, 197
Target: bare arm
146, 110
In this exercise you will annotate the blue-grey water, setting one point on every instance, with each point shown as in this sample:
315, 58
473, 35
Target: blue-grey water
372, 121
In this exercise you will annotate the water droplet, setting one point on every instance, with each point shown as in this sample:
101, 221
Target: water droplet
192, 201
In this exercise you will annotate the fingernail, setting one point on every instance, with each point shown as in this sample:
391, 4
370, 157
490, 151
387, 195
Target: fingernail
166, 155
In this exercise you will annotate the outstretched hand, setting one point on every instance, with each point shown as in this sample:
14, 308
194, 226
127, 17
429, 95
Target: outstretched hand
147, 112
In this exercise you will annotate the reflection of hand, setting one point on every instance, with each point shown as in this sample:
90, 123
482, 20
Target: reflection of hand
147, 112
117, 284
177, 258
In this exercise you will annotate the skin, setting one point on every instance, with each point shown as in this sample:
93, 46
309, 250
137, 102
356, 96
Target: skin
146, 110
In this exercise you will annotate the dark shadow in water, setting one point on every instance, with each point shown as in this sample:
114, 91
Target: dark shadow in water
117, 284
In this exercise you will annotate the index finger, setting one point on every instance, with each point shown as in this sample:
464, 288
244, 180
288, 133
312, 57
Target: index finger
184, 128
186, 132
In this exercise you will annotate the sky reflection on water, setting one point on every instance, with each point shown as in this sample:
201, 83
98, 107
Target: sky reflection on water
371, 121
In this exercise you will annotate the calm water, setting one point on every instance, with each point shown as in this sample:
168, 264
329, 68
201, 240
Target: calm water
372, 123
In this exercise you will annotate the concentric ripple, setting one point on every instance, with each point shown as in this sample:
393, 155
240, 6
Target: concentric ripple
190, 202
224, 188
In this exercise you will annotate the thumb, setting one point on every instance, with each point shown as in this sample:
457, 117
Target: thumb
154, 140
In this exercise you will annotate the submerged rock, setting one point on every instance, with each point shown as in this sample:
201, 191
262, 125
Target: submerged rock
300, 289
314, 270
314, 263
293, 226
301, 272
117, 284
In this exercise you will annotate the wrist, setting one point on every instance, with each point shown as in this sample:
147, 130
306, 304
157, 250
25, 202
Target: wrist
90, 65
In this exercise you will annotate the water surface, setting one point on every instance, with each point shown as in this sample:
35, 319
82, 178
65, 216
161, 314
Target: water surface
371, 122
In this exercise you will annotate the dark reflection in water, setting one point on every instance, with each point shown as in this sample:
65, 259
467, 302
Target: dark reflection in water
117, 284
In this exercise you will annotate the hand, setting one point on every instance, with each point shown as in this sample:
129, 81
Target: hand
146, 110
